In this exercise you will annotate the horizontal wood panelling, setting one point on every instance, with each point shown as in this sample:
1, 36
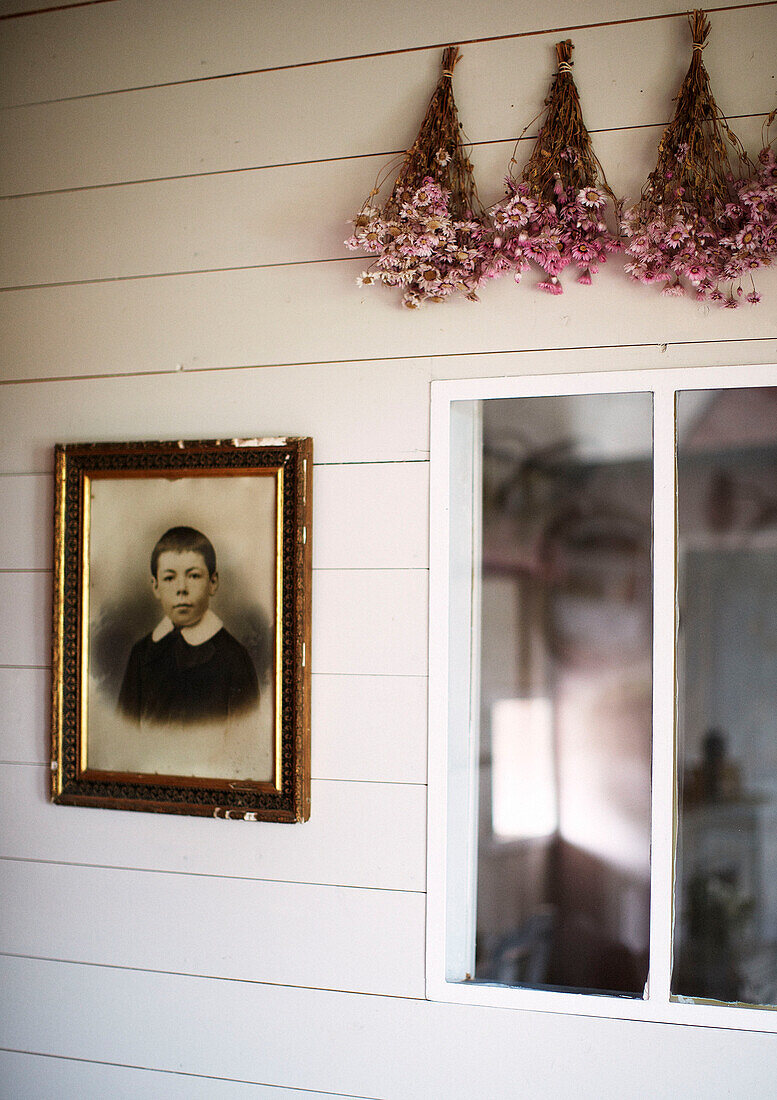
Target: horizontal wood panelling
370, 621
24, 715
356, 412
13, 8
248, 218
153, 324
627, 76
26, 508
152, 351
371, 1046
369, 727
374, 515
359, 834
364, 728
25, 619
42, 1077
130, 45
691, 353
279, 933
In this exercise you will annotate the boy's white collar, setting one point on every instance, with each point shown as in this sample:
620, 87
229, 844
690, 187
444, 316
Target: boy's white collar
202, 631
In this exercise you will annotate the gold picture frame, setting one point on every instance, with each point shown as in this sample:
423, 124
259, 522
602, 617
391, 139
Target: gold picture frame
181, 640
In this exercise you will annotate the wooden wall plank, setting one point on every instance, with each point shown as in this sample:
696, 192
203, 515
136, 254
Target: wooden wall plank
43, 1077
374, 515
371, 622
364, 728
371, 1046
24, 715
131, 44
369, 727
627, 76
359, 834
26, 507
355, 412
239, 219
25, 619
15, 8
275, 932
647, 357
153, 324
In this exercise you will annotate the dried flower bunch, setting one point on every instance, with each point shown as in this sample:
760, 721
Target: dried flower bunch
555, 215
697, 223
427, 238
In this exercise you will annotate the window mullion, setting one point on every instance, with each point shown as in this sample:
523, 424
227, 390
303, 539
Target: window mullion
664, 618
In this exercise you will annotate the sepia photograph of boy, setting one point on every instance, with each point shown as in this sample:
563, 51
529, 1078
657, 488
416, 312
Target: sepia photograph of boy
182, 599
189, 668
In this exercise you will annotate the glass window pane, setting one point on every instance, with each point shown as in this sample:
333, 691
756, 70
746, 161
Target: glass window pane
563, 881
725, 945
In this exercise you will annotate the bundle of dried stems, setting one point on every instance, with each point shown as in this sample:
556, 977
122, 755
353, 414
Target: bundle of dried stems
439, 151
698, 221
427, 236
693, 160
554, 215
563, 150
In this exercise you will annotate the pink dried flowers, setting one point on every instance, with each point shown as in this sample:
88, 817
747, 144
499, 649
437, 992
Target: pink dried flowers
697, 226
427, 238
554, 216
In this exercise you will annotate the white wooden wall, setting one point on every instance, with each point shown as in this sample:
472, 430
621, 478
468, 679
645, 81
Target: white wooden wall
176, 179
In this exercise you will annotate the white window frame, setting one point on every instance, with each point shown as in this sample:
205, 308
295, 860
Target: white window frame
453, 734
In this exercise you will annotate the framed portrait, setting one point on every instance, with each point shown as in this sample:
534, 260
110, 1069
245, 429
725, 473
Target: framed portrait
181, 644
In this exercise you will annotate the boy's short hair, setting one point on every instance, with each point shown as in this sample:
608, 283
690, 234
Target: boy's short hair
180, 539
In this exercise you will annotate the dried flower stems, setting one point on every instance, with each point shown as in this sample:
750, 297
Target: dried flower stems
700, 132
439, 151
563, 150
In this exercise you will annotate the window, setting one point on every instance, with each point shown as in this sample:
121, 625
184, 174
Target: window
603, 758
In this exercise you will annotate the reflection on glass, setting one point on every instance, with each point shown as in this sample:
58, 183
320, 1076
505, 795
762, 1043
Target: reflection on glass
725, 944
564, 820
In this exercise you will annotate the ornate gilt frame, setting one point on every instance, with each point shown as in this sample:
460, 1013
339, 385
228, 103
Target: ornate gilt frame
286, 796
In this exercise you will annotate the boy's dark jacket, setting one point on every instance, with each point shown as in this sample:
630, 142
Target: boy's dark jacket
169, 679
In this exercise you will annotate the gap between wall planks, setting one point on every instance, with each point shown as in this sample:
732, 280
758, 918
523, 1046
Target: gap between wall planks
28, 1070
48, 9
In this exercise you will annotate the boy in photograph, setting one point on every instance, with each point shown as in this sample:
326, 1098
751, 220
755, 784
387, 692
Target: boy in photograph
189, 670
